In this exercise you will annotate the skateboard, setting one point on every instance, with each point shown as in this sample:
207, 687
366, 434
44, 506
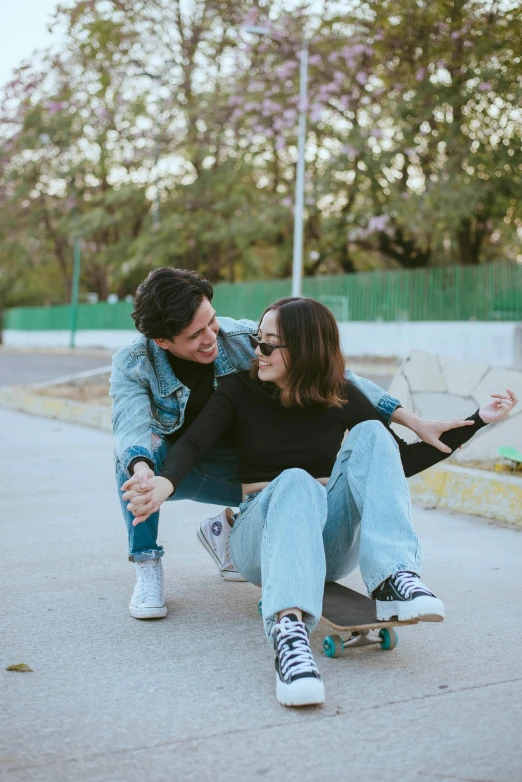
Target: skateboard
350, 612
513, 455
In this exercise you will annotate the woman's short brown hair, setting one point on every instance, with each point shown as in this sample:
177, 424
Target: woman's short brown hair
313, 353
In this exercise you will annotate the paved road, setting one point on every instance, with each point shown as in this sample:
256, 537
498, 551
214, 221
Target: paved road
192, 696
24, 367
21, 368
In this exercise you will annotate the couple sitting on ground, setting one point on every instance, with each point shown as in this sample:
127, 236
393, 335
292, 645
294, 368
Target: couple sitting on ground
230, 413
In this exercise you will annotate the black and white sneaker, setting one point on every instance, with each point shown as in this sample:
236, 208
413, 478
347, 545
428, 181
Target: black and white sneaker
403, 596
297, 679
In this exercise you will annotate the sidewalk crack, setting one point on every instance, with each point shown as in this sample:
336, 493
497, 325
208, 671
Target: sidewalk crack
336, 711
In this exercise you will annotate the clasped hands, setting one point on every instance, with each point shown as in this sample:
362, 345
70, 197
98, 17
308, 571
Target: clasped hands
145, 492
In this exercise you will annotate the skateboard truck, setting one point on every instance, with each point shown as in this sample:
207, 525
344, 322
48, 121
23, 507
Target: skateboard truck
386, 637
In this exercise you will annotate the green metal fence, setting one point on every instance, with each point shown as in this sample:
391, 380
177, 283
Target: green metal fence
490, 292
90, 316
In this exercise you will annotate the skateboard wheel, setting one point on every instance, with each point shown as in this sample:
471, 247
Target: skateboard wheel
333, 646
389, 638
260, 608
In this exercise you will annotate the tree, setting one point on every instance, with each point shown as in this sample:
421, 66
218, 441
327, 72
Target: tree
413, 132
413, 115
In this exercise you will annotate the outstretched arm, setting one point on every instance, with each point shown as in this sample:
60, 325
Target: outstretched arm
417, 457
390, 409
426, 430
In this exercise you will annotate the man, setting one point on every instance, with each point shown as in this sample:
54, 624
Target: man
159, 385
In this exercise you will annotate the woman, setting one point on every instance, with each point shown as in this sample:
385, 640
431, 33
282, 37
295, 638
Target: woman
314, 506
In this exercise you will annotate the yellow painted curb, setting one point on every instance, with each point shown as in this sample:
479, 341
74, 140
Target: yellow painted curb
469, 491
18, 398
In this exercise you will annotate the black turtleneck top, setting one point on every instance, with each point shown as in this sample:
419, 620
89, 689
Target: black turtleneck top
199, 379
270, 438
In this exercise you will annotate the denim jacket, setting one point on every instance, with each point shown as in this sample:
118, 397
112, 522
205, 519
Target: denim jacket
147, 397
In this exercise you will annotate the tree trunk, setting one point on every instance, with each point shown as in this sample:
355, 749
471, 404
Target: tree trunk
464, 241
97, 279
470, 237
345, 259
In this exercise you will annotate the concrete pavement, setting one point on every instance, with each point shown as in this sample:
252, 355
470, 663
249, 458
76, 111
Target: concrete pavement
192, 696
23, 366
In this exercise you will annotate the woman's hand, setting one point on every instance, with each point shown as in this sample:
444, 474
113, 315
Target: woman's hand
499, 409
143, 503
428, 431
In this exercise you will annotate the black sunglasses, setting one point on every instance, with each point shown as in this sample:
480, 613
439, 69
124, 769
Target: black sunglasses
264, 347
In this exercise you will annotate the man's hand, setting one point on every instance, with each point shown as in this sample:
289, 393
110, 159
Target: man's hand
498, 410
143, 503
428, 431
142, 473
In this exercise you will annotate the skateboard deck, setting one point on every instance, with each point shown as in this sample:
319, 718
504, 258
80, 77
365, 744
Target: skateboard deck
350, 612
511, 453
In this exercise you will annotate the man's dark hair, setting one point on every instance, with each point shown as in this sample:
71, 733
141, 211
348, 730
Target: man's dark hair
166, 302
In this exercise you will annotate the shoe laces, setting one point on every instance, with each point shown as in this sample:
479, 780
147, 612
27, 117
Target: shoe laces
228, 554
293, 648
150, 579
227, 563
407, 582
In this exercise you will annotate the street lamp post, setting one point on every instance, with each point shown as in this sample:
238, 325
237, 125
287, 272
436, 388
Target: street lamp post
156, 221
297, 260
75, 280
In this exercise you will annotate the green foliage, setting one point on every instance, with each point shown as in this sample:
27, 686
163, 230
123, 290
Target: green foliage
413, 142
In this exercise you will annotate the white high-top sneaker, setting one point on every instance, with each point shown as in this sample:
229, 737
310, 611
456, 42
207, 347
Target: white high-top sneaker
214, 535
148, 598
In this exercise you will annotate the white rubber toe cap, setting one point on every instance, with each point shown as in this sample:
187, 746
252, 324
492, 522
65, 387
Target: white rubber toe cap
307, 691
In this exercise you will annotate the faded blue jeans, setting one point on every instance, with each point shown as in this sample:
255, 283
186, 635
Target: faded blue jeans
213, 480
296, 534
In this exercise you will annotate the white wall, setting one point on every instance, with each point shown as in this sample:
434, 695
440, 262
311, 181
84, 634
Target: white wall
484, 341
95, 338
446, 388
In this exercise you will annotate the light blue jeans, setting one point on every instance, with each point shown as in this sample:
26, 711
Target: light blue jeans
294, 535
213, 480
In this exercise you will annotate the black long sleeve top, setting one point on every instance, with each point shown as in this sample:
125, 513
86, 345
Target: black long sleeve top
270, 438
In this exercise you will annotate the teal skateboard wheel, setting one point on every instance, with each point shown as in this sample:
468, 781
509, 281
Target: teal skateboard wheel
389, 638
333, 646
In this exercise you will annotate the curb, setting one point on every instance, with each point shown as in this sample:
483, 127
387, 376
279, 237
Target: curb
18, 398
459, 489
466, 490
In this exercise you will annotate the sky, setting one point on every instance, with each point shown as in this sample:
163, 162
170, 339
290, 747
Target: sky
23, 29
